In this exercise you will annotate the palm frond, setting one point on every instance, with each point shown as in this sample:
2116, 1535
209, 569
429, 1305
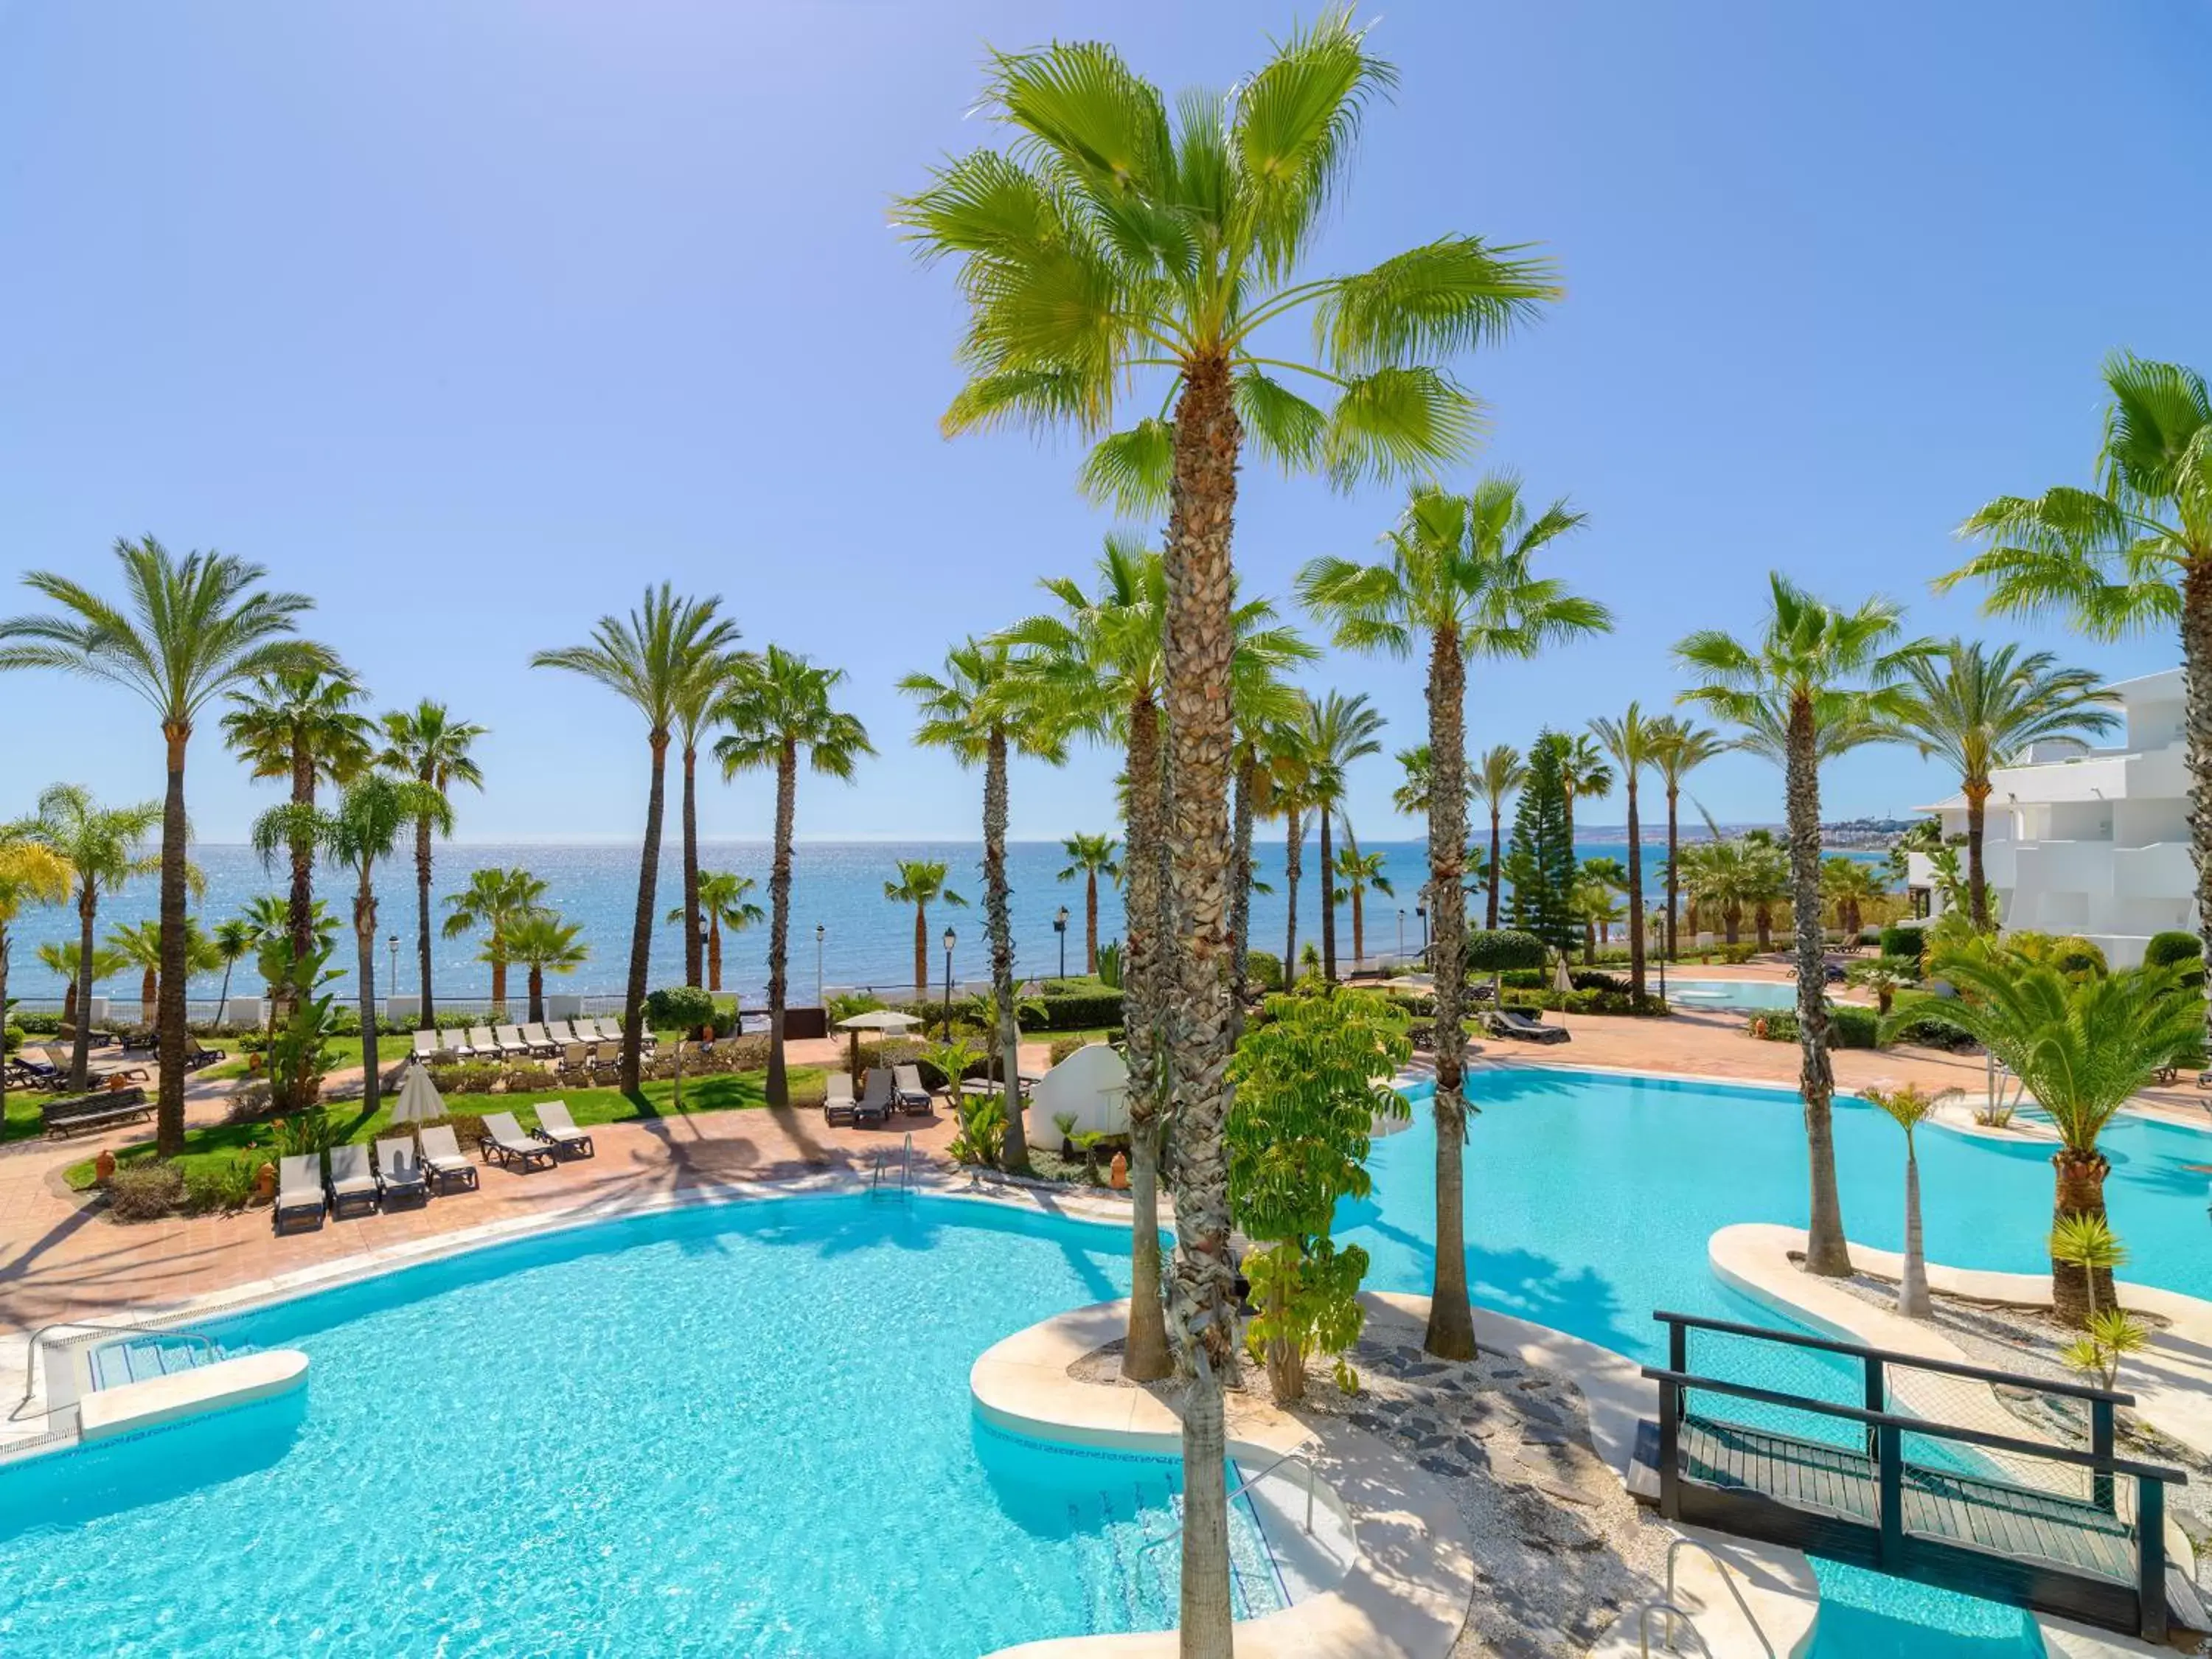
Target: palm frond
1132, 471
1398, 423
1447, 296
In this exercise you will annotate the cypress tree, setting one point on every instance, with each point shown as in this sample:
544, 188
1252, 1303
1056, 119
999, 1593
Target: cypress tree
1542, 858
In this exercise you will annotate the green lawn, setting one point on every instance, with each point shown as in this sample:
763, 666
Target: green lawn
721, 1092
343, 1052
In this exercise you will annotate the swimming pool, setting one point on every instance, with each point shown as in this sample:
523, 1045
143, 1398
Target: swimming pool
743, 1429
1590, 1199
1749, 995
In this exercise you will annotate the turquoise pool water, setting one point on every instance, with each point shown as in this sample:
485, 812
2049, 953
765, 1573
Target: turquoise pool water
1590, 1199
737, 1431
1748, 994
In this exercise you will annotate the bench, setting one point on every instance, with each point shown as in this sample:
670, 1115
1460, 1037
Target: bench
95, 1110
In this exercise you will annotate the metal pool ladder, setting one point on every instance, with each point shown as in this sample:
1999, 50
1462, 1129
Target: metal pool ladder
1240, 1489
1672, 1609
148, 1332
905, 1187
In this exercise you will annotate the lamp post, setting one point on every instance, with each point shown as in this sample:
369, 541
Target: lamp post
949, 937
1059, 926
820, 933
1422, 911
1401, 935
391, 978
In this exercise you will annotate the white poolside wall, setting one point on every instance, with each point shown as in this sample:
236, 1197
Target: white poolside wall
2093, 842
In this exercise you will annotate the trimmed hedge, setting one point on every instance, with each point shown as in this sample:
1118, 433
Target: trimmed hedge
1263, 970
37, 1025
2184, 952
1902, 942
1586, 1002
1505, 949
1850, 1026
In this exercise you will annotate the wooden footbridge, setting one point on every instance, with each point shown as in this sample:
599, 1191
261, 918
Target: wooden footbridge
2070, 1529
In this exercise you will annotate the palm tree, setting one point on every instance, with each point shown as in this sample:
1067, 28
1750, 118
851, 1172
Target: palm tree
1268, 760
1112, 238
1411, 796
2081, 1047
1848, 884
1909, 1106
1343, 730
188, 631
725, 906
1101, 664
1358, 871
301, 724
1977, 708
921, 883
233, 940
778, 705
1293, 763
1090, 857
139, 945
1816, 681
1497, 775
544, 944
104, 847
31, 872
66, 962
982, 709
1630, 741
1583, 772
494, 901
1767, 881
2133, 554
361, 832
1459, 578
1678, 747
652, 659
427, 744
694, 707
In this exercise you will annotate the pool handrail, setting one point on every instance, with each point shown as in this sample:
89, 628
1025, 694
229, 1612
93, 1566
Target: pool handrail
30, 1348
1672, 1608
1243, 1486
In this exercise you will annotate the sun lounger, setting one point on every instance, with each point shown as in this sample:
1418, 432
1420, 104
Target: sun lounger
1513, 1023
34, 1074
557, 1126
576, 1058
300, 1188
482, 1045
503, 1138
511, 1043
442, 1156
399, 1168
425, 1045
906, 1090
837, 1098
539, 1042
874, 1104
352, 1181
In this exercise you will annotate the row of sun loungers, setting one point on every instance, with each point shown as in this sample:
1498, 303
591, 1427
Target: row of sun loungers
882, 1093
356, 1183
550, 1041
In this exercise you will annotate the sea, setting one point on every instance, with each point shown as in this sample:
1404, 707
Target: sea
845, 934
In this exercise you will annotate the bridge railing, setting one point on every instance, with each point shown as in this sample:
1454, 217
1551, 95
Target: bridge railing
2013, 1458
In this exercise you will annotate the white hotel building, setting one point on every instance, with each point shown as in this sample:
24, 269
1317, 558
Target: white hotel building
2093, 842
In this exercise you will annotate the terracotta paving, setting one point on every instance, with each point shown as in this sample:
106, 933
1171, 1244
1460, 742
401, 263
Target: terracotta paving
59, 1260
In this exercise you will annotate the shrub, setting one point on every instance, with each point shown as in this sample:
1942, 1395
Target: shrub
145, 1192
1505, 948
1933, 1031
1063, 1047
228, 1186
1081, 1012
1849, 1026
680, 1007
37, 1025
2184, 952
1901, 942
1736, 955
1263, 969
1109, 964
13, 1039
1586, 1002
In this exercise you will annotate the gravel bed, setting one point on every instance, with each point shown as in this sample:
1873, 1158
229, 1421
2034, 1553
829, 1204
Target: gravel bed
1560, 1548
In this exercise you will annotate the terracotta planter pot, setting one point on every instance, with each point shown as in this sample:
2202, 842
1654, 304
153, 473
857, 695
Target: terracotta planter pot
1117, 1176
265, 1181
103, 1166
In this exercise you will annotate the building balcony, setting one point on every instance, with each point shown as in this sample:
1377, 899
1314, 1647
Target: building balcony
2063, 866
2098, 777
2162, 870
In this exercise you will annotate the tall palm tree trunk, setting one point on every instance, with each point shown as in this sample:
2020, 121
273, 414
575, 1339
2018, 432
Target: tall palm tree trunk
1199, 643
1294, 854
537, 994
300, 906
714, 953
1359, 927
1452, 1317
1635, 896
1091, 922
778, 1088
998, 922
1328, 904
2076, 1294
2197, 691
5, 944
694, 942
88, 907
1497, 873
169, 1110
920, 952
1144, 1353
640, 935
1673, 867
1240, 893
149, 988
1826, 1252
426, 1018
496, 950
364, 943
1977, 890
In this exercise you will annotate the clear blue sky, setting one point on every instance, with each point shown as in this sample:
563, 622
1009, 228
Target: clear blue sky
471, 319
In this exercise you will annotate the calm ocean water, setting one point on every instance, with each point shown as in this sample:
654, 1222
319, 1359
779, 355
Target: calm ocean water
867, 940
